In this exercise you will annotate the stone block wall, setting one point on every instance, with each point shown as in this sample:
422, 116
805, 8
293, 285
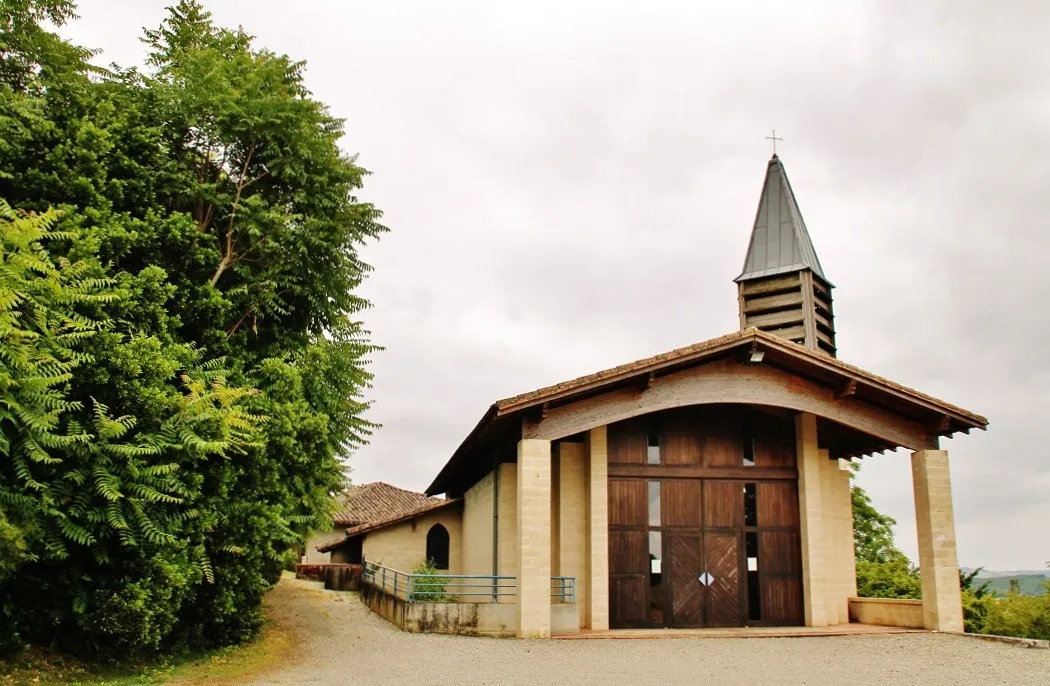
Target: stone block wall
572, 517
508, 519
404, 545
476, 543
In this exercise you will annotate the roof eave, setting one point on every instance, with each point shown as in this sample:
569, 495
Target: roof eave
440, 482
844, 370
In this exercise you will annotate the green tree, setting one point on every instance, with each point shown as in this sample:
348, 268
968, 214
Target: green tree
872, 530
28, 51
883, 570
210, 195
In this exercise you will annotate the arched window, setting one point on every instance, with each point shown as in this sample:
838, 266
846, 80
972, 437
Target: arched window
437, 546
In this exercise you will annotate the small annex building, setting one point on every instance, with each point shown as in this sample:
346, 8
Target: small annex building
708, 486
379, 508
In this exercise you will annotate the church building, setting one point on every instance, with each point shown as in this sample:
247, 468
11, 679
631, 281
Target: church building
708, 486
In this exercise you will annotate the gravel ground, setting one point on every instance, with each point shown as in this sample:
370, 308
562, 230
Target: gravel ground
344, 643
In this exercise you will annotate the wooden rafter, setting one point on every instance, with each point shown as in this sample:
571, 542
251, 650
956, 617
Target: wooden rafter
847, 390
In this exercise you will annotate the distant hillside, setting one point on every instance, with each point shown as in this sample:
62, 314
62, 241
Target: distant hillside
1031, 584
992, 573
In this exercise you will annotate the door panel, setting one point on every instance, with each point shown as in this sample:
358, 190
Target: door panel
782, 601
778, 504
722, 561
779, 553
687, 593
627, 552
774, 442
627, 601
723, 504
627, 442
681, 438
681, 503
628, 575
628, 502
722, 445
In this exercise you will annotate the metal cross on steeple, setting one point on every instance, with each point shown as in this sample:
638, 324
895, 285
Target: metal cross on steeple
774, 139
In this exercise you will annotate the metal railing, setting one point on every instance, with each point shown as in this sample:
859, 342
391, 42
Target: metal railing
456, 587
563, 589
438, 587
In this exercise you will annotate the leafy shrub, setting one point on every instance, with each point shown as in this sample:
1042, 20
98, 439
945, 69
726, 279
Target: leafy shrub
430, 583
895, 578
1018, 615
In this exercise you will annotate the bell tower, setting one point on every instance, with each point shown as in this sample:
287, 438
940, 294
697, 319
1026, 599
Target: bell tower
782, 288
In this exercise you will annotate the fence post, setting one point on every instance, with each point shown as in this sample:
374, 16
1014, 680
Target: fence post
411, 592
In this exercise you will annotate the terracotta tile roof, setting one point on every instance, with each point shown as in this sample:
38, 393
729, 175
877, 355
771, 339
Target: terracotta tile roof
432, 504
375, 502
533, 397
712, 345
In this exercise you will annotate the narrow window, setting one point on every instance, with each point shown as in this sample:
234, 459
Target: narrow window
652, 455
437, 546
750, 505
656, 575
754, 592
654, 503
656, 553
749, 452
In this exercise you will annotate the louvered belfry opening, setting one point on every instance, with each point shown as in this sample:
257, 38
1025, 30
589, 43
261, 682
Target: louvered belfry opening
793, 306
782, 288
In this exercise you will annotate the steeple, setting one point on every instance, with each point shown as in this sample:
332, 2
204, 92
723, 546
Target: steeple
782, 288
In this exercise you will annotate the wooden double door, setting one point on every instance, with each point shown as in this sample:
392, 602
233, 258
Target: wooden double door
703, 579
700, 552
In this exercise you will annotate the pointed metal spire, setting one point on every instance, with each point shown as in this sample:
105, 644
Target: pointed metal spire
780, 243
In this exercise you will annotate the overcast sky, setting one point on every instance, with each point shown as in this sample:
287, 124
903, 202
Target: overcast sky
571, 186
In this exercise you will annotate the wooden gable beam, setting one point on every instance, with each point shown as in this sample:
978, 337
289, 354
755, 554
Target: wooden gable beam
727, 381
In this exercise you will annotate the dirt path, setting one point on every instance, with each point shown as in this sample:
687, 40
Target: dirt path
341, 642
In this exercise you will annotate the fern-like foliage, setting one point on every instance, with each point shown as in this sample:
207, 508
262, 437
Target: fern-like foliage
81, 476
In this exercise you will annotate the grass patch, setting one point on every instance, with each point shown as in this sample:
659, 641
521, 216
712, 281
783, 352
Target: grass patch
274, 646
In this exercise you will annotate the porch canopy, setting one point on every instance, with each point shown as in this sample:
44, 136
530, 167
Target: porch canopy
858, 413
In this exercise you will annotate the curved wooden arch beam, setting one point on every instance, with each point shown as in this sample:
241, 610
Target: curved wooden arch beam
729, 381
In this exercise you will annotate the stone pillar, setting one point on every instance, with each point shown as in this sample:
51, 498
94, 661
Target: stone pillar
811, 519
534, 538
572, 518
840, 573
935, 521
596, 613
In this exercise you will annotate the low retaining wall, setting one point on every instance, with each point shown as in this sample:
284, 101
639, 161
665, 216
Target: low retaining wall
465, 619
336, 577
887, 612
